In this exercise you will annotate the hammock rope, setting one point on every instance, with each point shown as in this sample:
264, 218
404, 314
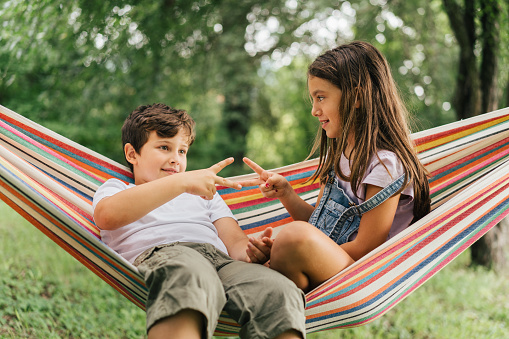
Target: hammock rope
50, 180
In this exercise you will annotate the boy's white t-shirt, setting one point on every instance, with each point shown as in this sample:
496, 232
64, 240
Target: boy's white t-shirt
186, 218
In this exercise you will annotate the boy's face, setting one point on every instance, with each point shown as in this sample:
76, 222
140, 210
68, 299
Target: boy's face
159, 157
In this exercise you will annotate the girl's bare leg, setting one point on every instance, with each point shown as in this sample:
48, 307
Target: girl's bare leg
307, 256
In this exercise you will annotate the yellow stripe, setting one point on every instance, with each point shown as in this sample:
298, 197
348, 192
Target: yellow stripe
43, 191
455, 136
256, 196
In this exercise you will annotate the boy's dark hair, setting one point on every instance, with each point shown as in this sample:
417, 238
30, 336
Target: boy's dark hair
163, 119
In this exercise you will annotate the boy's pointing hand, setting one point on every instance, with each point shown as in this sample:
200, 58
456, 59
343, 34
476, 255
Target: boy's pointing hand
203, 182
223, 181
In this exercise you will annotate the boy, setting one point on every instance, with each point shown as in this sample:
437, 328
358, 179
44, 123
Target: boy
185, 241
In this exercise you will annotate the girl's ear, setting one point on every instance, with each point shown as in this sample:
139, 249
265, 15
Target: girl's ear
130, 154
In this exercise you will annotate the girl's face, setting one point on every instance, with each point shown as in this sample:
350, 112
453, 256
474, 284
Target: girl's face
326, 98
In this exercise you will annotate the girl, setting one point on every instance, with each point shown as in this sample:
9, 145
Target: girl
372, 183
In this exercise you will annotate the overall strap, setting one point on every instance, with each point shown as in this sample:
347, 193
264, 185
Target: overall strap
378, 198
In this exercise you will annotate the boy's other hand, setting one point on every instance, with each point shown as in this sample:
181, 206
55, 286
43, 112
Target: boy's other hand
203, 182
258, 249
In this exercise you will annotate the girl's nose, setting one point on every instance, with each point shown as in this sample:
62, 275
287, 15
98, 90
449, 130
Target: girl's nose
315, 111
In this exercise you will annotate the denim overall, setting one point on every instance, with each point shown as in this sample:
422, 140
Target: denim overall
338, 217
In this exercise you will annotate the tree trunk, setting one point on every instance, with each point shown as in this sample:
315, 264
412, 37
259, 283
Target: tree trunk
491, 250
490, 14
476, 93
466, 100
236, 119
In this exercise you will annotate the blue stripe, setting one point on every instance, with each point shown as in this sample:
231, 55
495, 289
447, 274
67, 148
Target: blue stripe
481, 223
76, 237
72, 155
465, 163
297, 176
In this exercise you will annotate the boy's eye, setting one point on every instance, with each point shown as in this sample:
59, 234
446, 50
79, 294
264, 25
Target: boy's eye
320, 98
164, 148
182, 151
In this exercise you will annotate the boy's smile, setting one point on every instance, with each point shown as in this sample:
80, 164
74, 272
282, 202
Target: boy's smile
159, 157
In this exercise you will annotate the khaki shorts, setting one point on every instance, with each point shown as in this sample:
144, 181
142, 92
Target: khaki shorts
200, 277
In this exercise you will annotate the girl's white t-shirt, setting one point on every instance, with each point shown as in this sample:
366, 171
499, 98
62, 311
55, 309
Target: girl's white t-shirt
377, 175
186, 218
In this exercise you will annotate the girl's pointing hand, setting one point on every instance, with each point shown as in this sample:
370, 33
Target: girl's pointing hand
272, 185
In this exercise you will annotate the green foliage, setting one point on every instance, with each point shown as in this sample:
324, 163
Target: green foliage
46, 293
239, 67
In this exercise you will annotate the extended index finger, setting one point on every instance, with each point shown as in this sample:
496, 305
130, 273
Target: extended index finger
220, 165
254, 166
227, 183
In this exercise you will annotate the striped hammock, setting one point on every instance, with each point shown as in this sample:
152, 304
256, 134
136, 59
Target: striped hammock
50, 180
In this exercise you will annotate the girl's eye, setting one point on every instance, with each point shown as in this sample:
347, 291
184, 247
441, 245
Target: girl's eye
182, 151
164, 148
320, 98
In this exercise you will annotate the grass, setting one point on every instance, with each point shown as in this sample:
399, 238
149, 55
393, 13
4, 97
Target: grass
45, 293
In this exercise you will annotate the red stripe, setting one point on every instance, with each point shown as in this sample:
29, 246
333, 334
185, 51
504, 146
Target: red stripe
451, 257
265, 200
104, 275
470, 156
65, 146
449, 132
417, 247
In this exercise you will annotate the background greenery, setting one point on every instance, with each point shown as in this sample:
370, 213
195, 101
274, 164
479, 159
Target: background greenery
79, 67
238, 66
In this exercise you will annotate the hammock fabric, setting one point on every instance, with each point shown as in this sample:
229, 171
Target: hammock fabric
50, 180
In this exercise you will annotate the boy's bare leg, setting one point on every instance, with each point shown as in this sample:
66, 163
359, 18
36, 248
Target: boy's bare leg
291, 334
186, 324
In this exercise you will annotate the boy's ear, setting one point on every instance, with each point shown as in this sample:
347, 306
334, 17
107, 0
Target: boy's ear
130, 153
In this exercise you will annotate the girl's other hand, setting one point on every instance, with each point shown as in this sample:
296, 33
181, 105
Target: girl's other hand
272, 185
258, 249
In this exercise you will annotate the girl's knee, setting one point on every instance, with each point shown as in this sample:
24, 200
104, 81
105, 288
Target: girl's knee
295, 236
291, 242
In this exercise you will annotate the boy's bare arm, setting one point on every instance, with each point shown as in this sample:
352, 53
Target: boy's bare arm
233, 237
132, 204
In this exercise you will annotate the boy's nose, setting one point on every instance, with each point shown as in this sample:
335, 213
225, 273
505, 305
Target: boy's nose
174, 160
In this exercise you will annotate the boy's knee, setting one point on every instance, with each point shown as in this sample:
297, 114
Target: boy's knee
185, 271
284, 308
180, 282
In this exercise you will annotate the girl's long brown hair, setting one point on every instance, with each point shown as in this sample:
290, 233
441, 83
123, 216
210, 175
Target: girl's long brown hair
362, 73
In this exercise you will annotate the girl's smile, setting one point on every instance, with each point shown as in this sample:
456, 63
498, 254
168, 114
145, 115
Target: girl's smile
326, 98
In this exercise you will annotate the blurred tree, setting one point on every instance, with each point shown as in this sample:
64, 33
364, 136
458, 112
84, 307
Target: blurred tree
477, 26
